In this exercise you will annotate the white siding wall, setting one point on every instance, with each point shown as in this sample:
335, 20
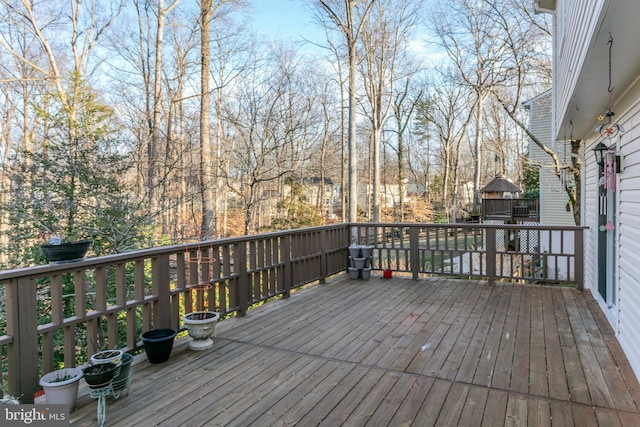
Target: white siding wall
624, 318
553, 198
629, 234
579, 23
580, 60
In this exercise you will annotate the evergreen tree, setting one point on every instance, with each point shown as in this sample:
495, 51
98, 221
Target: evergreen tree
73, 183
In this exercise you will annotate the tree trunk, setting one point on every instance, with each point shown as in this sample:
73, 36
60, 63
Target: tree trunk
206, 158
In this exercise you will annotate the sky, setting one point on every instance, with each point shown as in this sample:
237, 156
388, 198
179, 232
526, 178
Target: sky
288, 20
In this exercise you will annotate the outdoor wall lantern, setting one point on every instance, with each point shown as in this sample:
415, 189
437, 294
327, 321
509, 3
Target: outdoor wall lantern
599, 151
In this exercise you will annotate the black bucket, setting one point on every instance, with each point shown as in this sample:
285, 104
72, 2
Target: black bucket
158, 344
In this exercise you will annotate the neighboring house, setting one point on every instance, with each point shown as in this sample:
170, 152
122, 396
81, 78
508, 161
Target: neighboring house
320, 195
597, 69
389, 195
553, 198
554, 208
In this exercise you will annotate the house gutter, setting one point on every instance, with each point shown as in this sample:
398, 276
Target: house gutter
538, 8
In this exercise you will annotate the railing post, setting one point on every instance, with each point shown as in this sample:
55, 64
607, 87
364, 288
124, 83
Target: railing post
240, 261
287, 265
22, 325
323, 255
414, 250
491, 254
160, 287
579, 258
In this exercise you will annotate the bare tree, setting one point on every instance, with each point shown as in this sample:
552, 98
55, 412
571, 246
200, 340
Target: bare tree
526, 39
86, 27
348, 17
233, 55
269, 118
206, 182
384, 42
154, 142
447, 112
404, 104
209, 9
471, 38
341, 80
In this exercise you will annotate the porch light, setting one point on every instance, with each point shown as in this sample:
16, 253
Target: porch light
599, 151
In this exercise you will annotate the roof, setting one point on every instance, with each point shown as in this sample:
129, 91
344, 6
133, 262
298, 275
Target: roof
316, 180
500, 184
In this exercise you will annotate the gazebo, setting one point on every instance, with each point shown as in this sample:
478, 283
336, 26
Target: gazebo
500, 188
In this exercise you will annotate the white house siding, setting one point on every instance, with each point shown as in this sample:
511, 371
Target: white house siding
628, 326
553, 198
624, 315
582, 32
578, 20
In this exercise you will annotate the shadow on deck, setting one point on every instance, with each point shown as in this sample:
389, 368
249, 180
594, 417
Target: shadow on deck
393, 352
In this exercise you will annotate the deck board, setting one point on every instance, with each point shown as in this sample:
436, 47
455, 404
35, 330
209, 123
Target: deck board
393, 352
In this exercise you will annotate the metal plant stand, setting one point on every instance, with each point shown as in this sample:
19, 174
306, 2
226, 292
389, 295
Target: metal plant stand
115, 389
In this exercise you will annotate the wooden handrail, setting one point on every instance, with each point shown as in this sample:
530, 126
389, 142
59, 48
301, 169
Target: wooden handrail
523, 210
128, 293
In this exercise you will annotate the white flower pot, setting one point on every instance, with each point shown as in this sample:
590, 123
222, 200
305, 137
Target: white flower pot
62, 392
201, 325
107, 356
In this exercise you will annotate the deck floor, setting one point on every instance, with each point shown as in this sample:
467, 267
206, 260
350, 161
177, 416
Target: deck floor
391, 353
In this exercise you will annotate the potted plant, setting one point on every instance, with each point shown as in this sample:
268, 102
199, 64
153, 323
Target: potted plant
201, 325
56, 250
61, 386
121, 382
107, 356
100, 375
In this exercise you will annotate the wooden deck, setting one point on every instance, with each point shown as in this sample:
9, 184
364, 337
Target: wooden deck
391, 353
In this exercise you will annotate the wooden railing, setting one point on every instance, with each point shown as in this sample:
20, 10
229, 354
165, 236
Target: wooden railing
527, 254
511, 209
111, 300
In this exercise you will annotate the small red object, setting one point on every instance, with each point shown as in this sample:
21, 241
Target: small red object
387, 274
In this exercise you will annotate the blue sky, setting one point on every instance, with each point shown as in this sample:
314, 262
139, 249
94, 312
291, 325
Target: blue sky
284, 19
290, 20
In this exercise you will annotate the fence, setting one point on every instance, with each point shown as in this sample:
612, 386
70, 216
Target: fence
61, 314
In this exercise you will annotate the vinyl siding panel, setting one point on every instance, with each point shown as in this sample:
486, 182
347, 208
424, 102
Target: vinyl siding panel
553, 198
628, 229
578, 26
582, 29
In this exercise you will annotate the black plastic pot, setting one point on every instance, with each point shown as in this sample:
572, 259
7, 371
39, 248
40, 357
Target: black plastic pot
120, 381
66, 252
158, 344
98, 376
